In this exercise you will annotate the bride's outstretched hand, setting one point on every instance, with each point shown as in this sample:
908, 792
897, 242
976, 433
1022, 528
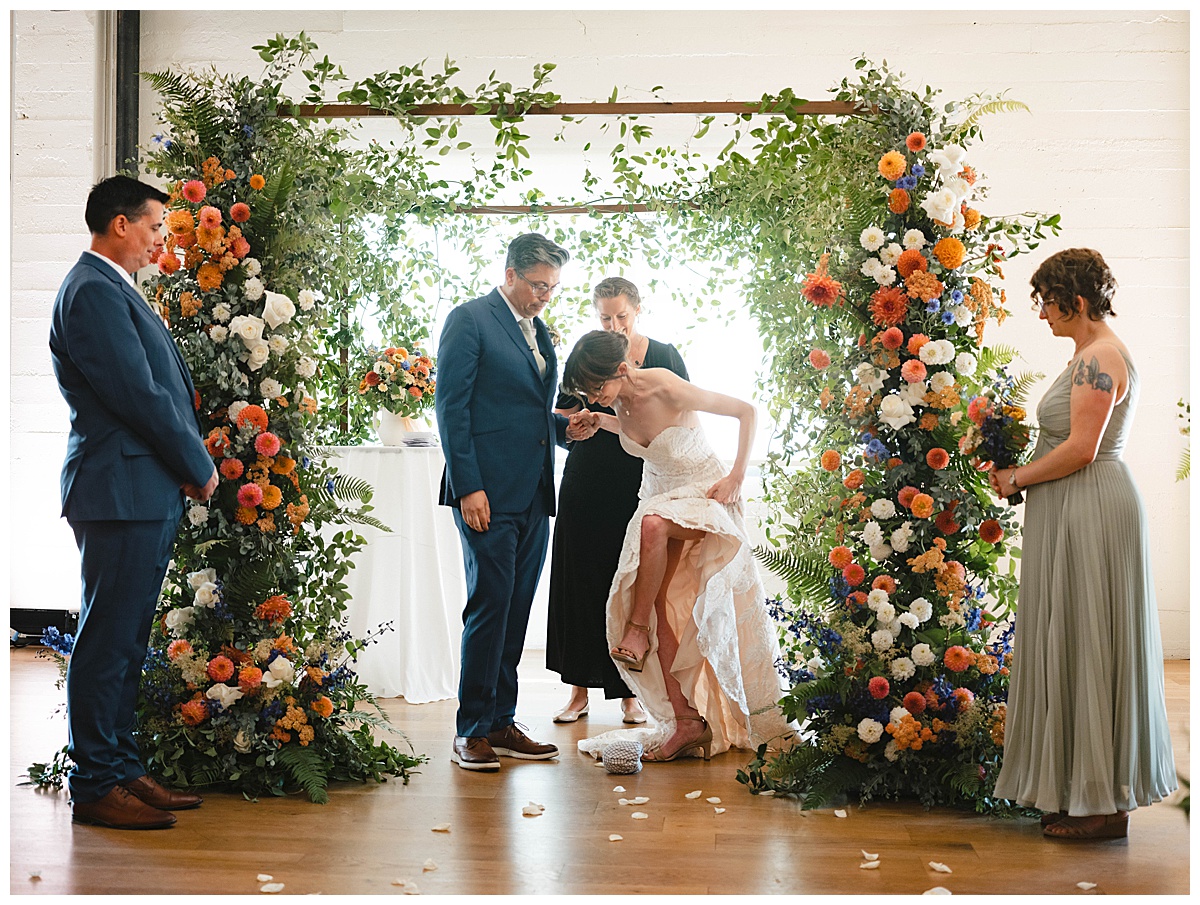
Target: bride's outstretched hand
582, 425
727, 490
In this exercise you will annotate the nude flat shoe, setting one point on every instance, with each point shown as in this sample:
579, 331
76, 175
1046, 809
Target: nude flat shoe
633, 717
567, 715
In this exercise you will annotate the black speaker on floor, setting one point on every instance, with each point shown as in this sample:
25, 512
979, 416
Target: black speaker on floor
26, 626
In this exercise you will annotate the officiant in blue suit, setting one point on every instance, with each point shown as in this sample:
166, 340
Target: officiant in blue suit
497, 380
133, 451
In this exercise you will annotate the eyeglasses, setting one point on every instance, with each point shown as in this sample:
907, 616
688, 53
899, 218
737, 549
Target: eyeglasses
540, 289
1039, 304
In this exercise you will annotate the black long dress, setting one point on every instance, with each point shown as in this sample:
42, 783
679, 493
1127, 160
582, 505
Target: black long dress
596, 500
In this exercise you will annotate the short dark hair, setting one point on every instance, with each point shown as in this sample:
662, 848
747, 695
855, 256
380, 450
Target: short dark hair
532, 249
116, 195
1065, 277
612, 287
594, 360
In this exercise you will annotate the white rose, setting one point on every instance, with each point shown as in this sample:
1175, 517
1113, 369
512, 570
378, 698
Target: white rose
221, 312
914, 239
869, 377
248, 327
241, 744
306, 366
948, 160
225, 695
218, 334
942, 380
883, 509
257, 354
959, 186
882, 640
270, 388
278, 309
913, 393
880, 552
872, 534
179, 619
877, 597
279, 344
959, 223
895, 412
940, 205
966, 363
235, 409
253, 289
892, 751
921, 608
253, 268
204, 576
198, 515
908, 620
890, 254
306, 299
815, 664
963, 316
207, 595
903, 668
922, 655
872, 238
870, 731
280, 672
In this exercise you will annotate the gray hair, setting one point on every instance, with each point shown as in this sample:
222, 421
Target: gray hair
611, 287
531, 249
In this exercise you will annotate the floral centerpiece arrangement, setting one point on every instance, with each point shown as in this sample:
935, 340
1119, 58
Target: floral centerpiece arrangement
998, 434
896, 636
249, 683
398, 380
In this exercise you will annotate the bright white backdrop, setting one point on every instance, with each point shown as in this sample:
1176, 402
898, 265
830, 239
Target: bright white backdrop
1106, 144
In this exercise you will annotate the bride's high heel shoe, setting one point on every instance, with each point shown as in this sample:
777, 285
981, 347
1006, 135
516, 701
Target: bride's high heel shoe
703, 742
626, 656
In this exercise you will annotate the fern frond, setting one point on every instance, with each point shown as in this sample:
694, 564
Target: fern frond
308, 769
357, 517
205, 545
249, 583
995, 357
348, 488
263, 222
1184, 471
806, 574
195, 108
1023, 384
982, 110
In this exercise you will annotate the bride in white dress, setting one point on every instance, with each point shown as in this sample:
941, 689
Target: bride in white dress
686, 619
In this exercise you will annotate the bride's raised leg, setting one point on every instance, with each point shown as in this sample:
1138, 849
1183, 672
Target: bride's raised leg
657, 560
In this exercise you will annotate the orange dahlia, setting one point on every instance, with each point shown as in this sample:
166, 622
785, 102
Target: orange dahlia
168, 263
950, 253
257, 182
193, 713
922, 505
272, 497
283, 465
831, 460
178, 648
245, 516
322, 707
937, 458
253, 415
892, 166
181, 222
217, 441
889, 306
267, 444
915, 703
915, 342
853, 574
945, 522
990, 531
273, 610
840, 557
209, 277
891, 338
898, 201
958, 658
915, 141
210, 217
240, 212
914, 370
878, 687
819, 359
249, 495
906, 495
231, 469
884, 583
971, 217
909, 262
194, 191
854, 480
220, 668
856, 599
819, 287
249, 678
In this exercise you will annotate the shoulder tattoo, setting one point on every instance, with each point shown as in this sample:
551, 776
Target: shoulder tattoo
1091, 375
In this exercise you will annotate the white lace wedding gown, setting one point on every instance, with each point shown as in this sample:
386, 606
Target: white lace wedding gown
727, 643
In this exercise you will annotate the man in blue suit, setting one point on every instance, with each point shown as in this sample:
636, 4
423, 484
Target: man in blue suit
497, 379
133, 451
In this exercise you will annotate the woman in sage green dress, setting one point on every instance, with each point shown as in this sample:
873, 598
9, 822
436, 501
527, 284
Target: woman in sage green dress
1086, 738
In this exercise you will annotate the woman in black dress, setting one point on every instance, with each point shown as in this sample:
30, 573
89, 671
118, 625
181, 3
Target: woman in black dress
597, 498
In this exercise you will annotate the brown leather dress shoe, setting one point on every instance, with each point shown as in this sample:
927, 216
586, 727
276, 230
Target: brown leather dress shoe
474, 754
150, 792
512, 742
121, 811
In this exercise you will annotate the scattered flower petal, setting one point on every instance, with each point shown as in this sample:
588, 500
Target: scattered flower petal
429, 864
1086, 885
839, 813
272, 887
624, 801
869, 865
694, 795
937, 891
442, 828
533, 809
411, 889
618, 788
598, 763
399, 882
615, 837
35, 875
869, 856
641, 799
639, 815
713, 800
940, 867
719, 810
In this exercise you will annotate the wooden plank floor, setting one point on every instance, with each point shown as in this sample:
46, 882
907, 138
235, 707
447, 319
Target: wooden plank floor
369, 836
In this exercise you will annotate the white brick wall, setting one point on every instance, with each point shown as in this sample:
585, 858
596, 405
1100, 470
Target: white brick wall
1106, 144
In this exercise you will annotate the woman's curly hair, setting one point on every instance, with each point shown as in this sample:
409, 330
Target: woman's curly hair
1075, 273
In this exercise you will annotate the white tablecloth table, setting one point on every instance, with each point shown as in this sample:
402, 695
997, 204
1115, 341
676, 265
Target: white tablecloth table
412, 577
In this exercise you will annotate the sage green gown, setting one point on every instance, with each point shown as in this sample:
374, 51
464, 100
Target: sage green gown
1086, 731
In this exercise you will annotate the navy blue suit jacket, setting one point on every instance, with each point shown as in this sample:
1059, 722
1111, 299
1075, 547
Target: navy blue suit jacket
494, 410
134, 435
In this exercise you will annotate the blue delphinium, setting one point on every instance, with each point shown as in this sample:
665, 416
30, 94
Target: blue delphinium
918, 170
57, 641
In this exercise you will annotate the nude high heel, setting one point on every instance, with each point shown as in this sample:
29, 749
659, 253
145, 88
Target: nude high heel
625, 656
703, 742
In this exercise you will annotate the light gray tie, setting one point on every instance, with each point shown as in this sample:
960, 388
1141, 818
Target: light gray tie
531, 338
